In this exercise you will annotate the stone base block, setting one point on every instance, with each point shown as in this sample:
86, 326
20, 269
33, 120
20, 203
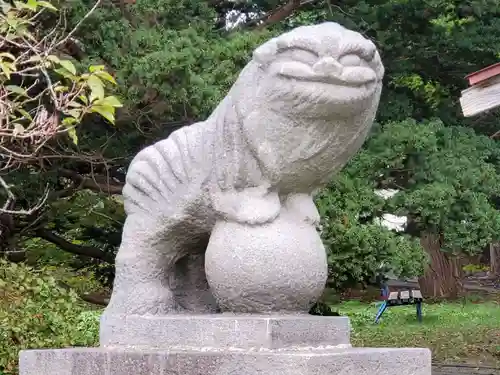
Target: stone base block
221, 331
105, 361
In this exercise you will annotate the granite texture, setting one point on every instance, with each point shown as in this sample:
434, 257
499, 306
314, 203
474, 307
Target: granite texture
279, 266
224, 332
101, 361
298, 111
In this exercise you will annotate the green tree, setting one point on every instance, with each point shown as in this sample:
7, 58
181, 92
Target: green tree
359, 247
447, 178
43, 99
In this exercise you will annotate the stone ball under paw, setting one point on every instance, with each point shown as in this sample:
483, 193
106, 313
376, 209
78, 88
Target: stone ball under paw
275, 267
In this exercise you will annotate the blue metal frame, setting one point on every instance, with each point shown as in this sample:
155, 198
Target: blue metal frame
380, 311
419, 311
385, 304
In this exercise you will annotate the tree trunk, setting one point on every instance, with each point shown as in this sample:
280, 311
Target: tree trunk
443, 275
495, 259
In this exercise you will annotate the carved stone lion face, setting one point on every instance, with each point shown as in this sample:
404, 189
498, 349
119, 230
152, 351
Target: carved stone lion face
320, 70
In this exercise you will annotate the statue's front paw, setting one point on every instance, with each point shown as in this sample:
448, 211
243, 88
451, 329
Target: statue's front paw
250, 206
143, 299
256, 211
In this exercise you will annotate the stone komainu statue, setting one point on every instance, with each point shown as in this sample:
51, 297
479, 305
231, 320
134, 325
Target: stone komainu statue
298, 111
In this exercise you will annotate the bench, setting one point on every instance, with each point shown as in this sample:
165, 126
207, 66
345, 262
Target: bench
401, 298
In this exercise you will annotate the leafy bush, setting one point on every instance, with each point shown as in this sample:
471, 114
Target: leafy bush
35, 312
447, 180
358, 247
475, 268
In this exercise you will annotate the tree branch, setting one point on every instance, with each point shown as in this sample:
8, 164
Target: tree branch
8, 207
99, 184
276, 15
87, 15
86, 251
280, 13
95, 299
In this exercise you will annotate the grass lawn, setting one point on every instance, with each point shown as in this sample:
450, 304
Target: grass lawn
459, 332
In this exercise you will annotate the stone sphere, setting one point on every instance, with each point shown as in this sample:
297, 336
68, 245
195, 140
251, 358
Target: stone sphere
275, 267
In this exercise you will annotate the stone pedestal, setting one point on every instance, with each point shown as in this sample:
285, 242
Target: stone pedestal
225, 345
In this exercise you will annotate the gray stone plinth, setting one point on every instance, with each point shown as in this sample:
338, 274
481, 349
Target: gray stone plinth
221, 331
103, 361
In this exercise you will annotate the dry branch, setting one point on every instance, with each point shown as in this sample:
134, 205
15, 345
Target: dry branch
280, 13
11, 199
95, 183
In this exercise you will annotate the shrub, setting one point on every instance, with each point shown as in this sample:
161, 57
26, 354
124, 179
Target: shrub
35, 312
358, 247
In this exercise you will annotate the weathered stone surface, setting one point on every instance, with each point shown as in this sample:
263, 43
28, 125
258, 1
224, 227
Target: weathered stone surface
298, 111
223, 331
63, 361
279, 266
136, 362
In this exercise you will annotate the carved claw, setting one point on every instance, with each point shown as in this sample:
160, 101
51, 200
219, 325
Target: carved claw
253, 206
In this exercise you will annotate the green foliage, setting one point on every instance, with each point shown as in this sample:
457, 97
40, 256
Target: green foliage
55, 102
90, 219
447, 179
170, 64
358, 246
474, 268
427, 46
87, 209
41, 253
35, 312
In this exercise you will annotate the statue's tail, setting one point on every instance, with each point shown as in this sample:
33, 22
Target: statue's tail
164, 175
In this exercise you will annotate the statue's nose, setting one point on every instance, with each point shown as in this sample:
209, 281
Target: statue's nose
328, 66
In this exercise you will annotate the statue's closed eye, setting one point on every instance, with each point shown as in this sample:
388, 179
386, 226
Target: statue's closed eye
350, 60
298, 54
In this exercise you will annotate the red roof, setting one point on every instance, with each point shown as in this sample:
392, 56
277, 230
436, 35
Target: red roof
483, 74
